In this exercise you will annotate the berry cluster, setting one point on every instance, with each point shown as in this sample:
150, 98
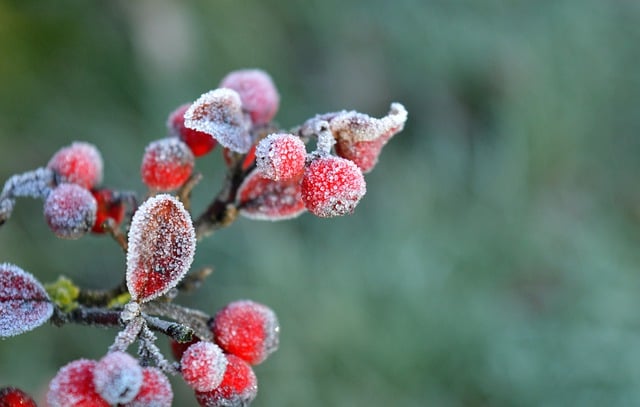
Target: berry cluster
271, 174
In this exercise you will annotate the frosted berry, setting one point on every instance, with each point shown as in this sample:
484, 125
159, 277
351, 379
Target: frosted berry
155, 391
281, 156
332, 186
117, 377
238, 388
247, 329
14, 397
24, 303
110, 206
257, 91
70, 211
178, 348
200, 143
80, 163
166, 164
162, 245
73, 386
203, 365
263, 199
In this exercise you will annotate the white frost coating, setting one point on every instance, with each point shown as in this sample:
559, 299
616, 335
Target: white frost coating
353, 126
155, 391
32, 184
161, 247
24, 303
281, 156
70, 211
203, 366
219, 113
117, 377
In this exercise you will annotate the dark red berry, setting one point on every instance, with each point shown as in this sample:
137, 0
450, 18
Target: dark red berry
178, 348
238, 388
14, 397
166, 164
109, 207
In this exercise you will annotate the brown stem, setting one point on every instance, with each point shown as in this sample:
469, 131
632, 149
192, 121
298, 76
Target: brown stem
195, 319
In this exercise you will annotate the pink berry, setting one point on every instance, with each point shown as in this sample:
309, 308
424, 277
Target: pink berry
332, 186
73, 386
70, 211
80, 163
200, 143
166, 164
238, 388
109, 206
24, 303
14, 397
155, 391
258, 93
281, 156
247, 329
264, 199
203, 365
117, 377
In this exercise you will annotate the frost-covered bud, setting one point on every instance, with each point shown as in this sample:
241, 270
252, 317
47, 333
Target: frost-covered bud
73, 386
80, 163
203, 366
219, 113
166, 164
70, 211
247, 329
238, 388
200, 143
332, 186
258, 93
281, 156
117, 377
155, 391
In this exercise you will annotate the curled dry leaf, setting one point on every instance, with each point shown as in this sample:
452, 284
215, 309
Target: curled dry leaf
24, 303
162, 244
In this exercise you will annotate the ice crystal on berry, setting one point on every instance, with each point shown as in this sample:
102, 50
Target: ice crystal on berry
203, 365
80, 163
14, 397
117, 377
166, 164
332, 186
281, 156
199, 142
238, 388
257, 91
70, 211
24, 304
219, 113
73, 386
162, 244
155, 391
264, 199
248, 330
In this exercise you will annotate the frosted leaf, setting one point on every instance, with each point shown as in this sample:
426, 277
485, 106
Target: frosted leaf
162, 244
353, 126
31, 184
24, 304
260, 198
117, 377
219, 113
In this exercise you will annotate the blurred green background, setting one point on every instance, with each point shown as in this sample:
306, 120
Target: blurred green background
493, 261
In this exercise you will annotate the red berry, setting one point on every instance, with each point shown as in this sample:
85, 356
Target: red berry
178, 348
264, 199
24, 303
281, 156
247, 329
203, 365
109, 207
117, 377
200, 143
258, 93
80, 163
162, 243
332, 186
70, 211
166, 164
14, 397
155, 391
238, 388
73, 386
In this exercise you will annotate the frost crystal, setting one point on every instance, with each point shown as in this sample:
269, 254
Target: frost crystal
117, 377
260, 198
70, 211
281, 156
219, 113
203, 366
162, 244
24, 304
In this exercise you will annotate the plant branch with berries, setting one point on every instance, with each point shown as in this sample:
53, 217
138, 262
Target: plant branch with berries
272, 174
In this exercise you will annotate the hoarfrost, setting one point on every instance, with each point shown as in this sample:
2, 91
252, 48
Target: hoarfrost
280, 156
32, 184
73, 386
155, 391
70, 211
260, 198
203, 366
117, 377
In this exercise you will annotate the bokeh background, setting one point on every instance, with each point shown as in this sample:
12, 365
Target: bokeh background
494, 260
